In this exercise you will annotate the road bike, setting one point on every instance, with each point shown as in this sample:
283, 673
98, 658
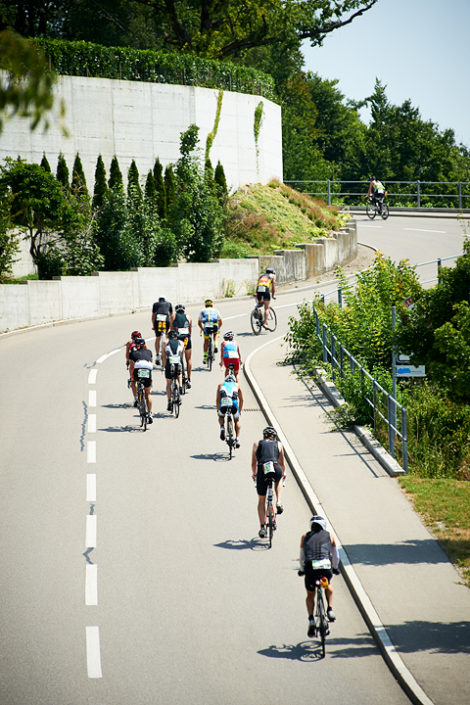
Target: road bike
257, 319
322, 623
229, 423
379, 207
210, 352
141, 400
270, 516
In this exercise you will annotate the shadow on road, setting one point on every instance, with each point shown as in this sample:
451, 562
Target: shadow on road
310, 651
411, 552
254, 544
211, 456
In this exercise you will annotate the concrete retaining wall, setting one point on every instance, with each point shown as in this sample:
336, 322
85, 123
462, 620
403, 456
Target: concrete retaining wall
108, 293
142, 121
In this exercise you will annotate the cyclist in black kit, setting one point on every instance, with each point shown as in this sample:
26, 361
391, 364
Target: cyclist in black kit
162, 316
268, 450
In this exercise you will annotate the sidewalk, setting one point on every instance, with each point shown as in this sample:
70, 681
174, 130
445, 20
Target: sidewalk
407, 589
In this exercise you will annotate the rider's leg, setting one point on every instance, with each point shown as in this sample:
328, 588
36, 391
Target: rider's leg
266, 308
329, 595
310, 602
148, 398
278, 491
261, 509
189, 363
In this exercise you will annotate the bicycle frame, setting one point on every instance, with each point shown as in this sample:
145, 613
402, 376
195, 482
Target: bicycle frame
322, 626
270, 519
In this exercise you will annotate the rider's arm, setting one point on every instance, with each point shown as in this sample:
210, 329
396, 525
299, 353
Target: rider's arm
254, 460
199, 322
222, 353
302, 553
220, 321
240, 398
334, 553
274, 285
163, 354
217, 398
190, 321
239, 355
370, 189
281, 458
153, 319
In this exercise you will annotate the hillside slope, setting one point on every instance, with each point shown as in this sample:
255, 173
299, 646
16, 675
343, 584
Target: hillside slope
274, 217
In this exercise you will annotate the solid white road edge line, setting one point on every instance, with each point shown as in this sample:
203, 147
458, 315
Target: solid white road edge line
391, 655
93, 654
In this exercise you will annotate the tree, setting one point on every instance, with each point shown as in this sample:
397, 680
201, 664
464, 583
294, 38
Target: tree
45, 164
78, 185
196, 216
115, 175
8, 239
62, 173
160, 188
170, 185
101, 186
26, 89
135, 197
220, 182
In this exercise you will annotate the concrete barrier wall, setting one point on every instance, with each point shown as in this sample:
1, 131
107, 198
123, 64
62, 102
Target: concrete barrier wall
142, 121
108, 293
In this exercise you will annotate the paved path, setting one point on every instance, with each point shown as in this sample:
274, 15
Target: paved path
412, 586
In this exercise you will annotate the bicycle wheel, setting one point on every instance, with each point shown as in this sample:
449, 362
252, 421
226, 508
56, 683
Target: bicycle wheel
385, 211
270, 523
183, 377
271, 321
371, 210
142, 409
323, 628
255, 322
175, 398
210, 354
229, 435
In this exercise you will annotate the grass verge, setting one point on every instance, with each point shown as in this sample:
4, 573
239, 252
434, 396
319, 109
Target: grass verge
444, 506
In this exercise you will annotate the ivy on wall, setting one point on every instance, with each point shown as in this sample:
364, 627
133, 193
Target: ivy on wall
212, 135
257, 128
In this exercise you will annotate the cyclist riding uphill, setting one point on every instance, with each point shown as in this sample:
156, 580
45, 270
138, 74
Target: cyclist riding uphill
162, 315
183, 324
209, 322
266, 288
140, 368
319, 558
376, 190
229, 398
173, 353
230, 353
267, 457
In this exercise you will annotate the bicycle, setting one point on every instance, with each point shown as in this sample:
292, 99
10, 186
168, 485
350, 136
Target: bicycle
175, 398
229, 433
320, 618
141, 400
210, 352
270, 517
374, 208
257, 319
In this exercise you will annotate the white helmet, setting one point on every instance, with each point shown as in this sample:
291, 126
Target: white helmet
316, 520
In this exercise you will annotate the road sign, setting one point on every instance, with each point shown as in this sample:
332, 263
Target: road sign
404, 369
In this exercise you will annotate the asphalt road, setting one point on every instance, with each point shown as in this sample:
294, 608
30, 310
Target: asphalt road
132, 571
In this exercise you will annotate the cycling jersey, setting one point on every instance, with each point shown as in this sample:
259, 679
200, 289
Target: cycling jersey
317, 547
229, 399
209, 316
230, 350
173, 350
142, 360
266, 451
264, 283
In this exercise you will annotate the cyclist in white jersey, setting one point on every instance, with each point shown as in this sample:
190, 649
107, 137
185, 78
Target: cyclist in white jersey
210, 322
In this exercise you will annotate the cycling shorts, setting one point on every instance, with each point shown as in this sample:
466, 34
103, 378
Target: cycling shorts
172, 371
234, 409
210, 329
261, 486
146, 380
311, 576
161, 327
231, 361
263, 295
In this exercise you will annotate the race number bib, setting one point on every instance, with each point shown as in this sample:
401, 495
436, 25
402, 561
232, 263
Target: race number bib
161, 317
262, 289
183, 331
232, 354
174, 359
226, 402
268, 468
323, 564
142, 373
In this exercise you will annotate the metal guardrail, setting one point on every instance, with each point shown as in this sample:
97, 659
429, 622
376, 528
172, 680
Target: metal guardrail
383, 404
334, 194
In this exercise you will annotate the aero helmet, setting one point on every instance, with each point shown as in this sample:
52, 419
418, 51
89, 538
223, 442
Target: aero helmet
228, 335
319, 521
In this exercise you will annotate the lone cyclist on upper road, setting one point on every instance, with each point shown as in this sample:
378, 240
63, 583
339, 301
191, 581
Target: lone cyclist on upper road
376, 190
266, 288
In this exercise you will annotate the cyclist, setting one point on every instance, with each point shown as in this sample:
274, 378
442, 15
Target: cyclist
265, 288
229, 389
230, 354
209, 322
183, 324
141, 358
162, 315
319, 557
131, 344
172, 361
268, 451
376, 192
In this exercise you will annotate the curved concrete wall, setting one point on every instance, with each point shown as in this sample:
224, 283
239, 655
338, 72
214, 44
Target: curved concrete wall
142, 121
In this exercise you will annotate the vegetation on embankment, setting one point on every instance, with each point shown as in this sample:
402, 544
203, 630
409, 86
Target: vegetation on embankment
265, 218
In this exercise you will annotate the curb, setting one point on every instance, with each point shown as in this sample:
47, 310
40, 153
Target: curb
377, 629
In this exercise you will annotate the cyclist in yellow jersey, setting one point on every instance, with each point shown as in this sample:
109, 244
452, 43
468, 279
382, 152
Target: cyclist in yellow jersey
266, 288
210, 322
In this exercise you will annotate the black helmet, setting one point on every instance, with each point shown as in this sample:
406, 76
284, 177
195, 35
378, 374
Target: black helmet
270, 431
179, 308
270, 270
161, 298
173, 334
139, 342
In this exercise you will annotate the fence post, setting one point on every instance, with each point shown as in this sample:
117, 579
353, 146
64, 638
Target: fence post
340, 298
324, 343
329, 192
460, 195
391, 431
418, 194
333, 356
404, 439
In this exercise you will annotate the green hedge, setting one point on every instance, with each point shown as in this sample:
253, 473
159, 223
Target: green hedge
87, 59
